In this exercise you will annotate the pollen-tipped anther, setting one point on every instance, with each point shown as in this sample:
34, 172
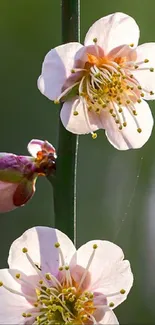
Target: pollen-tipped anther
24, 250
94, 135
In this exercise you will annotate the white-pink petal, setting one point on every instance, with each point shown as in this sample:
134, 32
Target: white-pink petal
36, 145
145, 77
56, 69
84, 122
128, 137
112, 31
113, 280
106, 256
12, 305
40, 242
109, 317
7, 191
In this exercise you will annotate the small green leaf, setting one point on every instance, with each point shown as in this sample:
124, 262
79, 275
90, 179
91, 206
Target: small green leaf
71, 93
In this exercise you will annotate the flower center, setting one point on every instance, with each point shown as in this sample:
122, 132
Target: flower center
108, 84
65, 305
45, 162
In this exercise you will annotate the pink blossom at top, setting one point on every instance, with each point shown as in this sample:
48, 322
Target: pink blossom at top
105, 83
18, 174
50, 282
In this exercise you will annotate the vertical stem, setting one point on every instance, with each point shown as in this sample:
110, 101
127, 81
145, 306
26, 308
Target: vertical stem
66, 169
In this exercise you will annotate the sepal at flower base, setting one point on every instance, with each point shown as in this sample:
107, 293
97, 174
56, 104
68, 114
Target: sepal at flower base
74, 91
24, 191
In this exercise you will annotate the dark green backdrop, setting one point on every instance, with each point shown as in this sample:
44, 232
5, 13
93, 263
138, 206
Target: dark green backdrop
116, 190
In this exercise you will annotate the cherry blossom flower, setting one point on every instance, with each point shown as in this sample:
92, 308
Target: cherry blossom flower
18, 174
104, 84
49, 282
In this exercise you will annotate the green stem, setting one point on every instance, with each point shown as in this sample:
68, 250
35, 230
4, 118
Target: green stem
66, 168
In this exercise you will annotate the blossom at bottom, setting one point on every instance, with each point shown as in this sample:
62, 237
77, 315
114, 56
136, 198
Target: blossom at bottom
50, 282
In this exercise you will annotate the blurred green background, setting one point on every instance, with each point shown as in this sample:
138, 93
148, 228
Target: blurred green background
116, 190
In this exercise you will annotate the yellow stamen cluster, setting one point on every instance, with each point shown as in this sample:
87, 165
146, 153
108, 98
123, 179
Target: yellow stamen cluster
63, 302
108, 84
64, 306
